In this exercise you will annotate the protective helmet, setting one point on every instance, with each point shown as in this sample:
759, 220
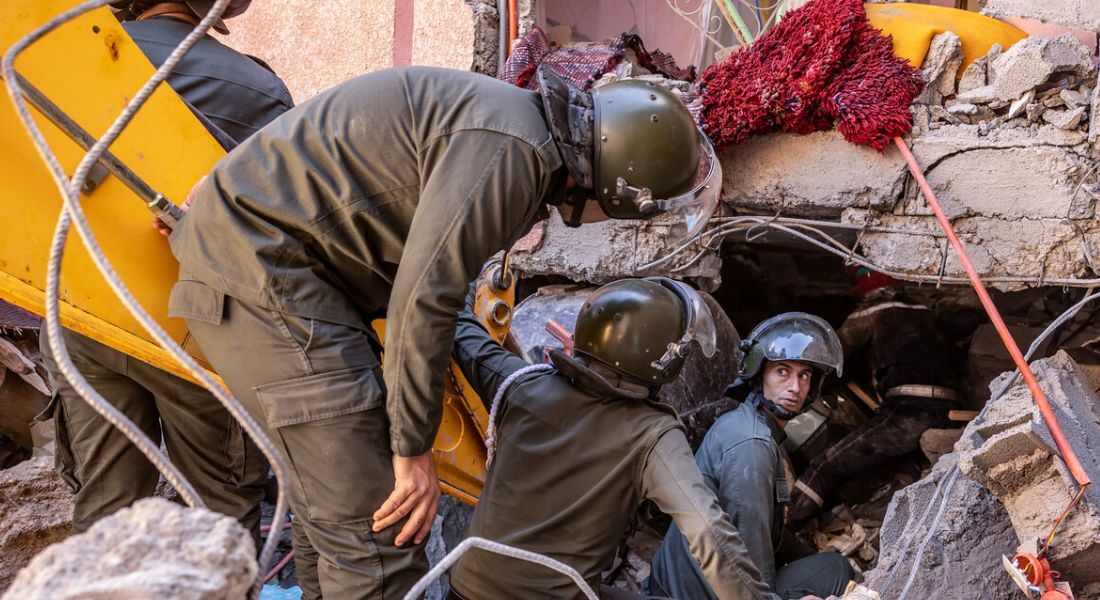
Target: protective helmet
131, 9
650, 158
644, 328
793, 336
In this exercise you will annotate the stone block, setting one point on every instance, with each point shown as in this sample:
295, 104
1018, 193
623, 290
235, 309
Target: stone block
1031, 61
1081, 14
1009, 451
1065, 119
961, 556
154, 549
36, 510
940, 68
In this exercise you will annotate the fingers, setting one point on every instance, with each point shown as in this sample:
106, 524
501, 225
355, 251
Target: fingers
396, 514
419, 525
161, 227
386, 514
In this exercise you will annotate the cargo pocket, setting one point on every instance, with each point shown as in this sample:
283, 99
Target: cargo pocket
335, 431
64, 460
196, 301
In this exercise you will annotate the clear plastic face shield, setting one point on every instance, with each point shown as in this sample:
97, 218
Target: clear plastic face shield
807, 339
701, 332
687, 213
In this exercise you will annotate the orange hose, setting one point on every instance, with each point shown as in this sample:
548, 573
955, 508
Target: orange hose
1068, 455
513, 24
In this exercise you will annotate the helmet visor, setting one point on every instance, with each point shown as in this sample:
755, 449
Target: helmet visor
700, 324
690, 212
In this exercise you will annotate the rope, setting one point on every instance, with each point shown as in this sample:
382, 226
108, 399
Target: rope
73, 214
505, 550
490, 437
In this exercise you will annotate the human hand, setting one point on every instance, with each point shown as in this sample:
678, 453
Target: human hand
166, 230
415, 493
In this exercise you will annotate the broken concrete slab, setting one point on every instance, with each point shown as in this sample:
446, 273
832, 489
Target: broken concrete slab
1094, 115
771, 173
940, 68
1065, 119
1080, 14
154, 549
1031, 61
1009, 451
36, 509
958, 558
975, 75
1074, 98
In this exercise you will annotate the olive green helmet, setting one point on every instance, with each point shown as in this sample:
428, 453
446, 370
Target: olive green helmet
793, 336
644, 328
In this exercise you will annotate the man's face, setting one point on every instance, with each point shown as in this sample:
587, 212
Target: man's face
787, 383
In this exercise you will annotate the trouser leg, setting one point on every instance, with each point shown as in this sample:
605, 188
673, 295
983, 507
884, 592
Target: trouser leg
893, 432
208, 446
823, 575
317, 387
104, 468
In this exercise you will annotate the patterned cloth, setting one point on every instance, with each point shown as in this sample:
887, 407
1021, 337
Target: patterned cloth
15, 320
581, 65
823, 65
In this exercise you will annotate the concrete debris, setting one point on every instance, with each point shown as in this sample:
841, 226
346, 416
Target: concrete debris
940, 68
1074, 98
154, 549
962, 108
1010, 452
960, 556
1079, 14
974, 76
981, 95
36, 509
1021, 104
1065, 119
855, 591
1032, 60
696, 393
1094, 121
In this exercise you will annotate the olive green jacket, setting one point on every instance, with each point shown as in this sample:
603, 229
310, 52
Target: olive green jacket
572, 465
385, 193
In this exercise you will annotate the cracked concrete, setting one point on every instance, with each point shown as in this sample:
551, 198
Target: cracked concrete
1080, 14
36, 509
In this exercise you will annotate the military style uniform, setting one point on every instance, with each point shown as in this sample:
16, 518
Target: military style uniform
743, 464
106, 471
383, 195
574, 462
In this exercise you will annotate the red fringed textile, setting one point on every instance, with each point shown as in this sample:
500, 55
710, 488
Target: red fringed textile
582, 64
824, 64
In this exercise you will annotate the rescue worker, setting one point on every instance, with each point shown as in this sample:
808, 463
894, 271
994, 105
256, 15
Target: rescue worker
581, 445
105, 470
785, 360
915, 375
384, 196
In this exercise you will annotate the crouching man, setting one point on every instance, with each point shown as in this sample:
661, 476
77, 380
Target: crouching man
786, 358
582, 442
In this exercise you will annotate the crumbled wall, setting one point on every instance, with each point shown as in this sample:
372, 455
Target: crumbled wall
36, 510
1080, 14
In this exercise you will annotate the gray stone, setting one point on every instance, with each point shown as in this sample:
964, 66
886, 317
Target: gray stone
940, 68
1065, 119
1074, 98
1009, 451
1094, 115
1053, 101
1079, 14
36, 510
974, 76
962, 108
1031, 62
981, 95
958, 558
154, 549
1035, 111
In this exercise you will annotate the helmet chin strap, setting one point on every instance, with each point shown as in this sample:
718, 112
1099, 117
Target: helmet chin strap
758, 398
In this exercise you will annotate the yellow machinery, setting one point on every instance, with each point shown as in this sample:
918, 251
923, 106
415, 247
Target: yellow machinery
89, 68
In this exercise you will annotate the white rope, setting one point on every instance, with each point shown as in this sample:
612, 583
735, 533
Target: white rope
490, 436
73, 213
503, 549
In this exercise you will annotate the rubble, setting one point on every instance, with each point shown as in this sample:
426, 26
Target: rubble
942, 62
975, 76
154, 549
1065, 119
1080, 14
1010, 452
36, 509
1031, 62
958, 558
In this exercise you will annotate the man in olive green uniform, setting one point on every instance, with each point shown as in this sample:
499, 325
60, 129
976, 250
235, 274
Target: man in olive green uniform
582, 444
385, 195
237, 95
786, 359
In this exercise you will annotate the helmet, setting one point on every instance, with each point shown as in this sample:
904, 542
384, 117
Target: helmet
644, 328
133, 9
793, 336
648, 154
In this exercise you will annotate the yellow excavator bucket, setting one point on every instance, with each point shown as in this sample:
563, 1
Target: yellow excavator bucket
913, 26
90, 68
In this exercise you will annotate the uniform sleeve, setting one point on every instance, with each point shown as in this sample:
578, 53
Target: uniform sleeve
746, 491
485, 363
479, 191
672, 480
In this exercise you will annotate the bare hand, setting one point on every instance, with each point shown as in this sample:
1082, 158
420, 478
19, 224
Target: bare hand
415, 494
164, 229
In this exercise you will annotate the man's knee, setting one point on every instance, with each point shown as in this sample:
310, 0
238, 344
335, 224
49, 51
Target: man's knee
824, 574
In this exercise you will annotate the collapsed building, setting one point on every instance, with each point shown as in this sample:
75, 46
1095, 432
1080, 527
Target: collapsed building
1011, 144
